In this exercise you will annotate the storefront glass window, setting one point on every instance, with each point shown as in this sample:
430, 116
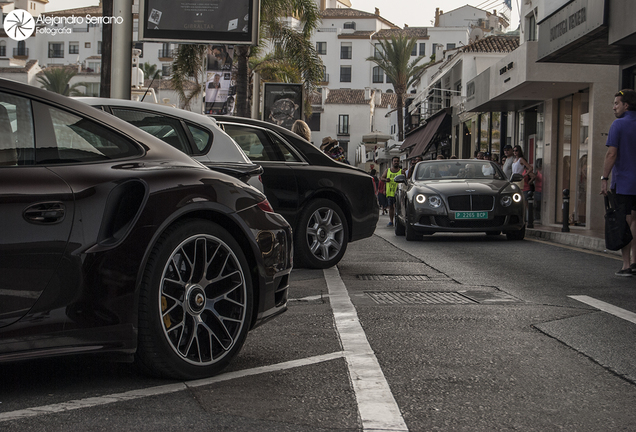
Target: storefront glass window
484, 129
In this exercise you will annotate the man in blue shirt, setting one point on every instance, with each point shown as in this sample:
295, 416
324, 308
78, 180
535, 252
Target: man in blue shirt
620, 159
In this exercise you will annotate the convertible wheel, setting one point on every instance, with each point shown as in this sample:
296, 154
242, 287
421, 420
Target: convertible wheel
516, 235
195, 303
411, 234
322, 235
399, 227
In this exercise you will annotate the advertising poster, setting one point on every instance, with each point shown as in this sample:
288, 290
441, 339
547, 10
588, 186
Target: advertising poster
220, 88
232, 21
283, 103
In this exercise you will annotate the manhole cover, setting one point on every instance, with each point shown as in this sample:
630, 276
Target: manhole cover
373, 277
391, 298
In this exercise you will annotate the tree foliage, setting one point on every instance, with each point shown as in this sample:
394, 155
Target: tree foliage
394, 58
187, 72
57, 80
150, 71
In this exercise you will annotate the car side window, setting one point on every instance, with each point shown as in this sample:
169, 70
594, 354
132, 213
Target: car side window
16, 131
284, 150
201, 137
254, 143
77, 139
167, 129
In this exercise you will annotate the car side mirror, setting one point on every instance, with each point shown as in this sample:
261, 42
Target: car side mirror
516, 178
400, 178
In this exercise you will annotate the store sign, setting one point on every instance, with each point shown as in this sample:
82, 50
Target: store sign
200, 21
569, 24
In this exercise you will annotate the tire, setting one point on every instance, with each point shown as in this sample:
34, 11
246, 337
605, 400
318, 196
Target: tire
195, 304
411, 234
516, 235
399, 227
322, 235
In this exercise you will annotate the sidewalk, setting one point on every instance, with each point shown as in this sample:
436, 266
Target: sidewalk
577, 237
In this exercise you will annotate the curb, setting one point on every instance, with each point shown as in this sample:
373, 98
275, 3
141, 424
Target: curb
571, 239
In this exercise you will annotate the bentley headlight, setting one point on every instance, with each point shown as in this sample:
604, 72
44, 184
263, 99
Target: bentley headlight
421, 199
516, 197
435, 201
506, 200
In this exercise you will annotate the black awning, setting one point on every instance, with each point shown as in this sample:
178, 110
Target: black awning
420, 139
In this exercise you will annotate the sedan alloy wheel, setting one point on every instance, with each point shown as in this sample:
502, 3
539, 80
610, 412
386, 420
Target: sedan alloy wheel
323, 236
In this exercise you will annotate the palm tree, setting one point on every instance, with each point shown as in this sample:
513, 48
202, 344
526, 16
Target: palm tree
293, 48
394, 58
187, 70
150, 71
57, 79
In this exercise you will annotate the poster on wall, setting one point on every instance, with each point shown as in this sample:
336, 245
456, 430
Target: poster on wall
220, 86
200, 21
283, 103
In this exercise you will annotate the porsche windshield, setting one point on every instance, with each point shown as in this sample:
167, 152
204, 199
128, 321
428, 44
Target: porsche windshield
454, 169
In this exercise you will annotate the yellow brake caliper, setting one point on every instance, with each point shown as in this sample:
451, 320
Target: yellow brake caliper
166, 318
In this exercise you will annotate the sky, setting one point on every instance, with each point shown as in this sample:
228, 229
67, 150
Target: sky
415, 13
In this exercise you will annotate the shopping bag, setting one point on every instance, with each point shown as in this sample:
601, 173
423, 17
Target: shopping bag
617, 232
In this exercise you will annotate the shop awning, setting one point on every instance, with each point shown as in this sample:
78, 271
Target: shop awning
420, 139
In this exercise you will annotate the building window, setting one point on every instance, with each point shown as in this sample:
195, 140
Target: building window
94, 66
349, 25
422, 49
414, 50
345, 73
56, 49
345, 50
139, 46
99, 47
166, 70
434, 48
87, 44
378, 75
325, 75
343, 124
321, 48
377, 51
92, 89
450, 46
388, 80
3, 48
532, 28
73, 47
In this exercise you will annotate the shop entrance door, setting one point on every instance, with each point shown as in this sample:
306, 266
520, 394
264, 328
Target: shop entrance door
572, 168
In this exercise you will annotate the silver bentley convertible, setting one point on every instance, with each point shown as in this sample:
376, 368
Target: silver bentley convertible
459, 195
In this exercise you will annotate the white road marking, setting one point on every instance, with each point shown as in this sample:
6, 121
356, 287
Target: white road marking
159, 390
606, 307
376, 404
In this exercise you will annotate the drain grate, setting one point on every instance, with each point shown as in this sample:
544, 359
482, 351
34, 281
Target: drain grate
373, 277
392, 298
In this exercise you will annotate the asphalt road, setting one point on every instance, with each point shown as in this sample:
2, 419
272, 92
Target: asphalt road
454, 332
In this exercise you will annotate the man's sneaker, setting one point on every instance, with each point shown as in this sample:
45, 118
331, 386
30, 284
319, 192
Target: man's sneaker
390, 224
625, 272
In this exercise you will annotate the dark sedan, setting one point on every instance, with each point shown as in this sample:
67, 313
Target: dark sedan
457, 195
114, 242
327, 203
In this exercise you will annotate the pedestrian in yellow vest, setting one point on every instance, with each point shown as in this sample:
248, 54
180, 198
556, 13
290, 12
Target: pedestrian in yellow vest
391, 186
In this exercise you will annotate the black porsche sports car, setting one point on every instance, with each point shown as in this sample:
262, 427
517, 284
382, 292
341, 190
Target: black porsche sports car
457, 195
112, 241
327, 203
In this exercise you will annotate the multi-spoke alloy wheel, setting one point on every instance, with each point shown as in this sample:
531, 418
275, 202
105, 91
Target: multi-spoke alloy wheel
323, 235
201, 293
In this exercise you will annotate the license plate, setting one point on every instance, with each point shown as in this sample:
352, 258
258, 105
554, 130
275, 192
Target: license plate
471, 215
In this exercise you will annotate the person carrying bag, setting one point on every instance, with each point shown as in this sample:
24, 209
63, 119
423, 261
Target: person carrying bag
617, 232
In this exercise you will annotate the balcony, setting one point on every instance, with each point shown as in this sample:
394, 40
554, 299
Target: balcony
20, 53
325, 78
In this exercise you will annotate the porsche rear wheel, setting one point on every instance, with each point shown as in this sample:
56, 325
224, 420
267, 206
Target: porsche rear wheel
195, 303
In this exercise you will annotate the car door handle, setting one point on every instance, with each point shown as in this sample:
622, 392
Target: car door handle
45, 213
